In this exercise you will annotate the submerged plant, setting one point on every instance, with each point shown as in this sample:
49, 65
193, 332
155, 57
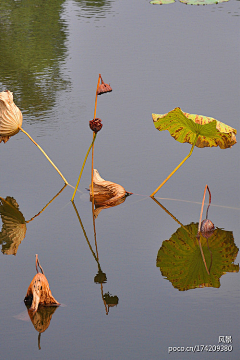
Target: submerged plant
197, 130
11, 123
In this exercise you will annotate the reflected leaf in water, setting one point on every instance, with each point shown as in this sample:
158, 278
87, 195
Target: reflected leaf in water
180, 260
14, 226
30, 58
100, 278
197, 130
106, 193
93, 8
110, 300
42, 317
39, 292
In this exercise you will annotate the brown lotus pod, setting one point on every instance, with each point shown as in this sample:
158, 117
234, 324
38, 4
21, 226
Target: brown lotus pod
103, 88
39, 292
95, 124
10, 116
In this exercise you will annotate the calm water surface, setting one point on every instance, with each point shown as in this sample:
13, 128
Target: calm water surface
155, 58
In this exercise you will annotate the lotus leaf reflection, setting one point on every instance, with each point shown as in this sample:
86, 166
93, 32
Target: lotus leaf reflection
180, 260
14, 226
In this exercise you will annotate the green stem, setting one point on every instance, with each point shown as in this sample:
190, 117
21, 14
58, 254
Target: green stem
45, 155
84, 162
173, 172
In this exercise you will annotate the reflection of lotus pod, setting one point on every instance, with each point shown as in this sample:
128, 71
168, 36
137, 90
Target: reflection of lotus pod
95, 124
42, 317
40, 293
100, 278
14, 226
10, 116
110, 300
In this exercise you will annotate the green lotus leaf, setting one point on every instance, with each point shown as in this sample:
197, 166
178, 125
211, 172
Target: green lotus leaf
202, 2
184, 127
180, 260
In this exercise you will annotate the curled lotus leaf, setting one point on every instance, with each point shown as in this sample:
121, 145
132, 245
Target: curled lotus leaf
180, 260
10, 116
184, 127
106, 193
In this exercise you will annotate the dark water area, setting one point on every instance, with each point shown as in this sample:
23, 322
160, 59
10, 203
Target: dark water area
155, 297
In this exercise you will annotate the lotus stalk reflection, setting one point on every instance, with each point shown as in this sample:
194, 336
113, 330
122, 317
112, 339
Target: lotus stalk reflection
11, 123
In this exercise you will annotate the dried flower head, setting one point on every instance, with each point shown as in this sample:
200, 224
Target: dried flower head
10, 116
95, 124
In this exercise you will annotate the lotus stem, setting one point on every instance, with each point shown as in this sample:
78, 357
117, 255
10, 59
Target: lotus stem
84, 162
95, 110
66, 182
173, 172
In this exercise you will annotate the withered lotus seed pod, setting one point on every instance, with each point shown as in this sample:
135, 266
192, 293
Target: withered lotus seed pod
104, 88
95, 124
10, 116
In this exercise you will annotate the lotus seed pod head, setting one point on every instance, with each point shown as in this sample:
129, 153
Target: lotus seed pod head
10, 116
95, 124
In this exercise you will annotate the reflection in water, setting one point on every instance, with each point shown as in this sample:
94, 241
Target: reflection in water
100, 277
41, 319
94, 8
180, 259
30, 56
14, 224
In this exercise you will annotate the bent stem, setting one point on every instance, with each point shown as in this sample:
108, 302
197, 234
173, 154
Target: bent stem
173, 172
66, 182
84, 162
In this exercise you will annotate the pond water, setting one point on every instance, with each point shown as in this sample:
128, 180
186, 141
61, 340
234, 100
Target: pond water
156, 58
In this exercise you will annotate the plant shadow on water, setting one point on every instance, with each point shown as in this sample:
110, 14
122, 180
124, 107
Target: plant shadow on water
182, 258
14, 224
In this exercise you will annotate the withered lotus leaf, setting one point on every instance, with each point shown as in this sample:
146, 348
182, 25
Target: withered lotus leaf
10, 116
39, 292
